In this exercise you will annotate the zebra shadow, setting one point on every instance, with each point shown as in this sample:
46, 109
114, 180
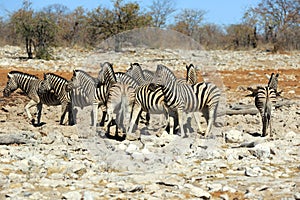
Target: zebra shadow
255, 134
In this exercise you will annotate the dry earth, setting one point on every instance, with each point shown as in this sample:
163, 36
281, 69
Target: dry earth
62, 162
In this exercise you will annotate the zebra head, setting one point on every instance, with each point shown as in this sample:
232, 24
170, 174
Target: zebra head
106, 74
164, 75
44, 86
74, 82
11, 85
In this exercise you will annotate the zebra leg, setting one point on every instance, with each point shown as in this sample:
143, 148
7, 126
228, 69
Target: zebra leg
64, 109
180, 122
211, 119
70, 114
197, 119
27, 111
39, 113
104, 113
109, 115
95, 114
133, 120
264, 123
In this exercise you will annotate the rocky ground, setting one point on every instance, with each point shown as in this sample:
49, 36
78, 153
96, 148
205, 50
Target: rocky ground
78, 162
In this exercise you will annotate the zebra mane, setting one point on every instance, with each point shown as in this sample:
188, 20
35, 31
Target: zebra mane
86, 75
165, 70
55, 75
107, 67
23, 74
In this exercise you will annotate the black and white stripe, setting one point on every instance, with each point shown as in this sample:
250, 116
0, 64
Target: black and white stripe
120, 95
149, 98
191, 75
58, 84
183, 97
88, 91
264, 100
30, 84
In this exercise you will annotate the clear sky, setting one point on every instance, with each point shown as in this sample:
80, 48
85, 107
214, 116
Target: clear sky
222, 12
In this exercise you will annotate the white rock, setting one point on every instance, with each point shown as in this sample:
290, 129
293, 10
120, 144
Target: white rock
132, 148
197, 192
73, 195
233, 136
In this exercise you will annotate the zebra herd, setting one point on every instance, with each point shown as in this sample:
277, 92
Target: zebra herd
136, 91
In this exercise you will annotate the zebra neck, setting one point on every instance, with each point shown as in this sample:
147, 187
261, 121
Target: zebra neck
26, 84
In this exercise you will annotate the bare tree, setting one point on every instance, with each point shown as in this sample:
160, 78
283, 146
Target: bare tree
189, 20
160, 11
277, 19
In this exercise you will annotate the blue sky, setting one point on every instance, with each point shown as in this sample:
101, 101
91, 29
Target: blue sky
222, 12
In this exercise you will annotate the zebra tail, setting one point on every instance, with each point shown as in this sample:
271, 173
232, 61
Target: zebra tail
122, 113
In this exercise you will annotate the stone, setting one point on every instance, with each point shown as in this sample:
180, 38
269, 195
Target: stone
297, 196
197, 192
73, 195
233, 136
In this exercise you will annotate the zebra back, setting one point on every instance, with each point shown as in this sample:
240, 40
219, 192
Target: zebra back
126, 79
151, 98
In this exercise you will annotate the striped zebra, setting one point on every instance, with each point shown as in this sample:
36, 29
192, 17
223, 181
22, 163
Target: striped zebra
183, 97
58, 84
120, 100
120, 95
126, 79
30, 84
87, 91
149, 98
265, 97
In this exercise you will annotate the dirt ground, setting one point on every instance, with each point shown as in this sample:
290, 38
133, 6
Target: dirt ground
235, 82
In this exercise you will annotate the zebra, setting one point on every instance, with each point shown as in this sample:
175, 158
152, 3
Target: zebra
149, 98
264, 100
58, 84
86, 91
120, 95
120, 100
30, 84
183, 97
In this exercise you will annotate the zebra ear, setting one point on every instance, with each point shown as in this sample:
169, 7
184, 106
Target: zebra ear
9, 75
74, 72
44, 76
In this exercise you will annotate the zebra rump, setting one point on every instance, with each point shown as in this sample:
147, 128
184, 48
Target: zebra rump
264, 100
